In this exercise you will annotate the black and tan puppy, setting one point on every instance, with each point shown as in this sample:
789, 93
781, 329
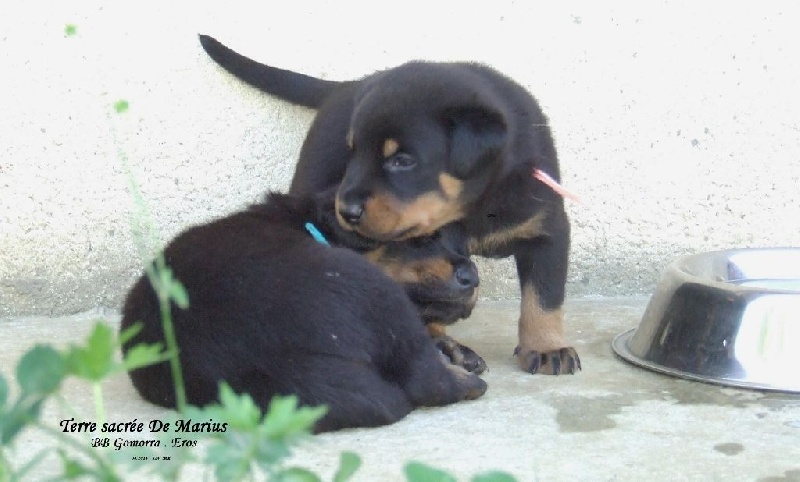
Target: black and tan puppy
424, 144
272, 311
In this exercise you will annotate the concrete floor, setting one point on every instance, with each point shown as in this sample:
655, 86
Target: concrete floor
612, 421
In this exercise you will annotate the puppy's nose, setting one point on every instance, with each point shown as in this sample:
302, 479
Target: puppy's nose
351, 212
467, 276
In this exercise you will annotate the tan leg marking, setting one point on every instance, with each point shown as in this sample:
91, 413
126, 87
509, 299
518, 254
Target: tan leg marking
542, 348
539, 330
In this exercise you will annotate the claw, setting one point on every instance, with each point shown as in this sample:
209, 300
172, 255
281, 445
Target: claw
556, 364
571, 366
460, 355
536, 363
472, 362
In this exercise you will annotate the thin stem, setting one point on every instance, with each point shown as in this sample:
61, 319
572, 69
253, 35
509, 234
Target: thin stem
162, 291
99, 406
154, 272
80, 447
8, 473
174, 361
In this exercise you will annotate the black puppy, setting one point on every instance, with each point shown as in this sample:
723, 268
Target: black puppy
424, 144
272, 311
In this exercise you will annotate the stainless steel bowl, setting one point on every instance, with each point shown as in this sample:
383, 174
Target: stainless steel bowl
726, 317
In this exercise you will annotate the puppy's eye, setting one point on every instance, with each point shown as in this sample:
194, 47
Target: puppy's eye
399, 162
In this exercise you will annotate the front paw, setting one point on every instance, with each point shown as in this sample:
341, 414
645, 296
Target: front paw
553, 362
460, 355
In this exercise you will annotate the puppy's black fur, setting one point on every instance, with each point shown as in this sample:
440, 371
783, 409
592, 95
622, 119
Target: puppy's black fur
424, 144
272, 311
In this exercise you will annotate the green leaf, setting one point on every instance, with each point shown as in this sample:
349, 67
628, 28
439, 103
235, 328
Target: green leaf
229, 461
3, 391
128, 333
40, 370
25, 412
96, 360
417, 472
178, 294
144, 354
239, 411
73, 469
284, 418
349, 463
165, 284
267, 453
494, 477
106, 473
121, 106
253, 440
70, 30
295, 474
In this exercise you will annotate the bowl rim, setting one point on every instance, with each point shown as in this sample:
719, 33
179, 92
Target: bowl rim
679, 266
619, 345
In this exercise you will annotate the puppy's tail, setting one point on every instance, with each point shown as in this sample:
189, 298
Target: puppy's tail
290, 86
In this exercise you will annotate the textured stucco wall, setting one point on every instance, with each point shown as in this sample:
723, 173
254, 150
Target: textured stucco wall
676, 122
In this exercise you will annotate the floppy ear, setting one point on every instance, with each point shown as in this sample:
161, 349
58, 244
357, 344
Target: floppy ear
476, 135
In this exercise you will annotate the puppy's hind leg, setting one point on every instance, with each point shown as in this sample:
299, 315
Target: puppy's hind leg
362, 398
355, 392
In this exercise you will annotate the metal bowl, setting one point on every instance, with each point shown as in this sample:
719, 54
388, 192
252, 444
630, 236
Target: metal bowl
726, 317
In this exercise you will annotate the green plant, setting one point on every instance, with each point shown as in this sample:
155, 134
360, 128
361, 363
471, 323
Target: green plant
417, 472
40, 372
251, 442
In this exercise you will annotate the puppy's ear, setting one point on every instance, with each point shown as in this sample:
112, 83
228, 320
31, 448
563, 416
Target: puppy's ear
476, 135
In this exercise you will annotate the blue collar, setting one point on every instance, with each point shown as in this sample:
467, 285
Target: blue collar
316, 234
